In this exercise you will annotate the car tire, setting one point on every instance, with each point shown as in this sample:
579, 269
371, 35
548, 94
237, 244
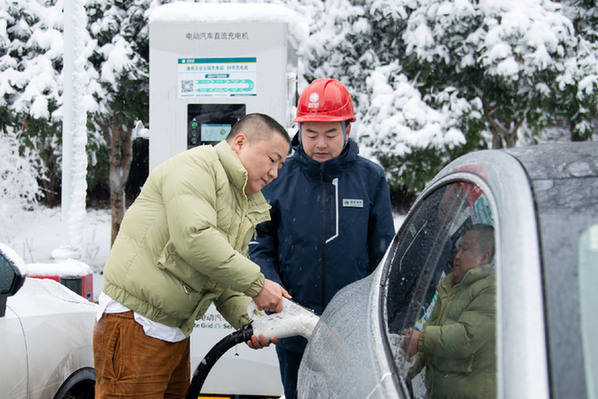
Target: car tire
80, 385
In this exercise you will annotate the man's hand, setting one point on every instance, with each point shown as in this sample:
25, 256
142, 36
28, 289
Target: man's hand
259, 342
410, 341
270, 297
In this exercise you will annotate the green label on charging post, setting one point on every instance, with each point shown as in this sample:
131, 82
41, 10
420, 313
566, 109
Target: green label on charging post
217, 77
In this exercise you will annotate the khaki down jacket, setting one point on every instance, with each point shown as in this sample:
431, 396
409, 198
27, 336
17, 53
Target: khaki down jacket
457, 344
183, 243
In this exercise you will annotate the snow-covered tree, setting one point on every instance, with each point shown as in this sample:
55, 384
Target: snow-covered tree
121, 60
31, 59
584, 16
522, 59
29, 81
20, 171
441, 77
431, 79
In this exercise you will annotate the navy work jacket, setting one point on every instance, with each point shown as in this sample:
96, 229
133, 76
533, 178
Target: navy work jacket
331, 224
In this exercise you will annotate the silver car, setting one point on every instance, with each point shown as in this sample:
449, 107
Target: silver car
46, 332
398, 334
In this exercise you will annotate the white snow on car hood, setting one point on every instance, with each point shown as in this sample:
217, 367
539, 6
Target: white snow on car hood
64, 268
42, 296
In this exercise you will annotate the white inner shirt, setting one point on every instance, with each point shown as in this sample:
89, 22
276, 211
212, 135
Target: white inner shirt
150, 328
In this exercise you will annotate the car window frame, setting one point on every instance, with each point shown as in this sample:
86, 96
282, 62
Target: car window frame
522, 352
457, 176
523, 356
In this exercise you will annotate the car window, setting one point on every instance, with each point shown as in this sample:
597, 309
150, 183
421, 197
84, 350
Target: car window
588, 298
441, 294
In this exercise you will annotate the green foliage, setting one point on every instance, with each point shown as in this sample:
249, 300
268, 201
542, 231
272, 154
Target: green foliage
411, 171
46, 138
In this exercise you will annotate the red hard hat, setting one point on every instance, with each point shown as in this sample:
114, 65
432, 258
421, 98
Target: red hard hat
325, 100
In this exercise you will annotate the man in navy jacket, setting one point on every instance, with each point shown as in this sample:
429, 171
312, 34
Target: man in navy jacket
331, 213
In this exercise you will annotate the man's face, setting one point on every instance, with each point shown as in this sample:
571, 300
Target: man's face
323, 140
468, 256
262, 158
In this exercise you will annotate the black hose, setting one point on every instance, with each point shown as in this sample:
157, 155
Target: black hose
201, 372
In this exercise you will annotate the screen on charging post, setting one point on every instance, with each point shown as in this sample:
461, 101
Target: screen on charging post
211, 123
214, 131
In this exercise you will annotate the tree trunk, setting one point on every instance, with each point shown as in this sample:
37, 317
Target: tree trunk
496, 139
120, 164
503, 132
511, 138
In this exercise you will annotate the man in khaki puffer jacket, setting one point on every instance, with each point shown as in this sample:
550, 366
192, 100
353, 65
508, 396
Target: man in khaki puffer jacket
457, 345
182, 244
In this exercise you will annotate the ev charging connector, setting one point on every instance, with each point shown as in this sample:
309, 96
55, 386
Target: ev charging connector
293, 320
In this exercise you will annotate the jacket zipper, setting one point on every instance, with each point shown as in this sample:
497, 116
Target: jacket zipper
323, 240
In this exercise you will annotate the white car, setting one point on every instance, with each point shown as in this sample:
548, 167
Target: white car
46, 332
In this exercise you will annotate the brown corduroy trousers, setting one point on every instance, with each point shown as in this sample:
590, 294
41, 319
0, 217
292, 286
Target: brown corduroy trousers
129, 364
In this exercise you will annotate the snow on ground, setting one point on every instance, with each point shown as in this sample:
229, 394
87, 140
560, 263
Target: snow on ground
35, 234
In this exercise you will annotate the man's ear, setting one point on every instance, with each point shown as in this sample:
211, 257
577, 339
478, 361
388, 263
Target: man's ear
486, 258
348, 129
238, 142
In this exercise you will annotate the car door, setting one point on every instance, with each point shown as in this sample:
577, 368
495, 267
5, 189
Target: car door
440, 307
13, 352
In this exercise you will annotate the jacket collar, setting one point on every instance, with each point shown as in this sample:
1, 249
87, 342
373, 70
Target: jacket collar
237, 175
231, 163
472, 275
330, 168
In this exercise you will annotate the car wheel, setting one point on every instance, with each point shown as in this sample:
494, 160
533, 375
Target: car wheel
80, 385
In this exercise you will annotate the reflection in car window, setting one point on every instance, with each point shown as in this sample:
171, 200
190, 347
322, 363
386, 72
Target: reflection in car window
441, 296
588, 298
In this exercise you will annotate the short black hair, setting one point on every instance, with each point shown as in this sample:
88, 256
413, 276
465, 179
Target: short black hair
256, 125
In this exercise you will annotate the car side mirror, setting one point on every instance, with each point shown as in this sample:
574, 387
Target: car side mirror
11, 279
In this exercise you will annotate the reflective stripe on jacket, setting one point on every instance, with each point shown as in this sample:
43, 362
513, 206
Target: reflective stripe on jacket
331, 224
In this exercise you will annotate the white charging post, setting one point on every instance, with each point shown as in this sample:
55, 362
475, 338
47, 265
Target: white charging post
211, 64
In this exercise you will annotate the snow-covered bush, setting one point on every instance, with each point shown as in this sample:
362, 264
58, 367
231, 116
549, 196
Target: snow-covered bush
433, 79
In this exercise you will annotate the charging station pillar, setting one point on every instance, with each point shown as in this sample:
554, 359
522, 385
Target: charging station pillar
211, 64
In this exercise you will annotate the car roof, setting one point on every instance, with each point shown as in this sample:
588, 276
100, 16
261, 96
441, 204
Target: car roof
558, 160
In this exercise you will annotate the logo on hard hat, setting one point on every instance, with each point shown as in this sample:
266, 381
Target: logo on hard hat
313, 100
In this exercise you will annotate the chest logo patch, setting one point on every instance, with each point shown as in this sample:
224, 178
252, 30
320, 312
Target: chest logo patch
352, 203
